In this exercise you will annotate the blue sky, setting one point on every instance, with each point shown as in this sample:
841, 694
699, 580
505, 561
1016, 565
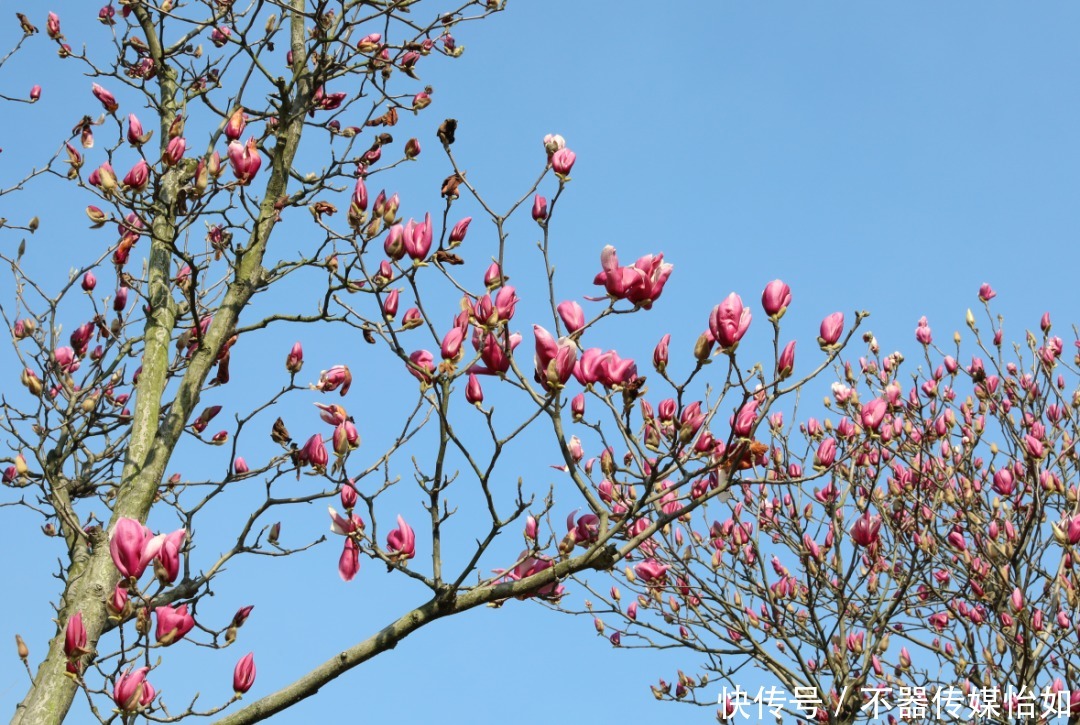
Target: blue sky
886, 157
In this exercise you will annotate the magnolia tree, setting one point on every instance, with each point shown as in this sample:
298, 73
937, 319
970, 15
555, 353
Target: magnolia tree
196, 126
906, 552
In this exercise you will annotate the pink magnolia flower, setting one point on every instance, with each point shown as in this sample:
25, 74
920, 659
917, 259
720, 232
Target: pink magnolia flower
244, 674
174, 151
220, 36
349, 562
474, 393
337, 376
554, 142
35, 93
775, 299
244, 160
422, 366
168, 558
346, 438
133, 547
866, 528
832, 327
75, 637
172, 624
314, 453
417, 238
922, 332
234, 127
572, 315
295, 359
240, 466
652, 572
554, 360
729, 321
52, 26
136, 136
826, 454
786, 362
1004, 483
562, 161
131, 691
873, 413
457, 233
89, 282
138, 177
450, 349
530, 565
348, 496
344, 526
743, 425
108, 100
332, 414
660, 354
577, 407
401, 542
539, 209
986, 292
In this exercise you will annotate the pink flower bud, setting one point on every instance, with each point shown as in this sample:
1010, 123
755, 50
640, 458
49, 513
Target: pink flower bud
106, 15
314, 453
553, 142
572, 315
174, 151
244, 674
660, 354
52, 26
173, 623
865, 531
295, 359
245, 160
531, 528
133, 547
451, 344
1044, 322
873, 413
220, 36
832, 327
986, 292
135, 135
786, 362
394, 246
577, 407
349, 563
35, 94
562, 161
775, 299
120, 300
348, 496
240, 466
75, 637
139, 176
390, 305
729, 321
422, 366
167, 562
131, 691
474, 394
234, 127
346, 438
89, 282
107, 99
539, 209
457, 234
401, 542
493, 276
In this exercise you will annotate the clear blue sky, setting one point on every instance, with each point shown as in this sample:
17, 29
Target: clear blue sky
887, 157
